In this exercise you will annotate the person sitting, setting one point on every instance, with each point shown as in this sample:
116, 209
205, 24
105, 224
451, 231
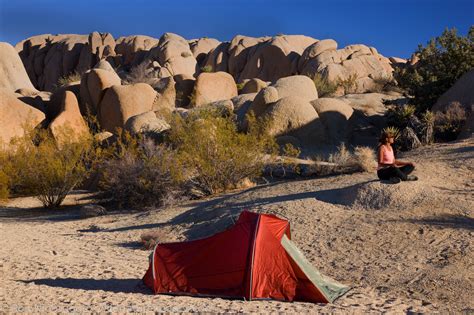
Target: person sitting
388, 167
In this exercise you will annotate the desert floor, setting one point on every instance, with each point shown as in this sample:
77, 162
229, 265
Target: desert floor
403, 248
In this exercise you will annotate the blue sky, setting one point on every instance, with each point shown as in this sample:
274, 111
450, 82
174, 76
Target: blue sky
394, 27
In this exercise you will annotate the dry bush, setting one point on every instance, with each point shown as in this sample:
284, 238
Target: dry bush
215, 153
36, 165
140, 174
349, 85
69, 78
140, 74
428, 121
324, 87
448, 124
385, 84
365, 158
150, 239
4, 184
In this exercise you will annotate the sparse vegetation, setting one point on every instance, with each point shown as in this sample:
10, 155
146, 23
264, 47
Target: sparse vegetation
448, 124
140, 173
441, 63
324, 87
240, 86
207, 69
37, 165
365, 158
349, 84
69, 78
4, 184
399, 116
140, 74
216, 155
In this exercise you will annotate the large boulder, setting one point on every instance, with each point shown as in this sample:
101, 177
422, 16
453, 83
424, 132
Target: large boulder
13, 75
55, 104
173, 54
201, 47
238, 52
298, 85
218, 58
293, 115
133, 49
166, 94
47, 58
283, 51
68, 125
120, 102
358, 66
253, 86
334, 115
145, 123
93, 85
462, 92
211, 87
15, 116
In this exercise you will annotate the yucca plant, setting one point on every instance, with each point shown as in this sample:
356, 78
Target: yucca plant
391, 132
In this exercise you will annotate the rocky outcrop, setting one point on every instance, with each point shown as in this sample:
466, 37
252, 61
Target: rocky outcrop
15, 116
201, 47
253, 86
211, 87
68, 125
133, 49
13, 75
334, 115
146, 122
120, 102
462, 92
218, 58
357, 65
173, 54
93, 85
48, 57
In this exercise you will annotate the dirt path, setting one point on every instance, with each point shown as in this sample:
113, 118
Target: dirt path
406, 247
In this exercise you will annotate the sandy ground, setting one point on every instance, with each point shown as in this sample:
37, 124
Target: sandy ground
403, 248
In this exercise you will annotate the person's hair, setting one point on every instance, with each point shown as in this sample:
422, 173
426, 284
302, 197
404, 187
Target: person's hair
383, 138
388, 132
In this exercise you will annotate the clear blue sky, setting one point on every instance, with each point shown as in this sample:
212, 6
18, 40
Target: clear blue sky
394, 27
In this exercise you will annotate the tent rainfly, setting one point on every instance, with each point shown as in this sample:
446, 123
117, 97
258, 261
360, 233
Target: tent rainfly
254, 259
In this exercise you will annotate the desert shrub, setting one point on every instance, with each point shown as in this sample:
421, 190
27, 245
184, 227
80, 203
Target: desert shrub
441, 63
428, 121
240, 86
217, 155
324, 87
399, 116
69, 78
448, 123
140, 173
140, 74
341, 157
207, 69
150, 239
4, 184
365, 158
36, 165
349, 85
385, 84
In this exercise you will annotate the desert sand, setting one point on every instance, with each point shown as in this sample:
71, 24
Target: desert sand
402, 248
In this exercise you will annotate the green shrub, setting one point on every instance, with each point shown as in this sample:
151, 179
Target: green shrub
207, 69
400, 115
324, 87
240, 86
217, 156
441, 63
428, 120
36, 165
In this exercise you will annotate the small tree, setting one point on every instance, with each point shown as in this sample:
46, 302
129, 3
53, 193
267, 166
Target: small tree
441, 63
37, 165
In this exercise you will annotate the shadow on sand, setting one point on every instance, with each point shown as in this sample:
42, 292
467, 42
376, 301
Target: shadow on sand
448, 221
108, 285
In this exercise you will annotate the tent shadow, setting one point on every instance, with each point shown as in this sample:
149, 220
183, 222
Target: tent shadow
108, 285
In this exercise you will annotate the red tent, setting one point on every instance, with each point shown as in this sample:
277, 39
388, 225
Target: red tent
253, 259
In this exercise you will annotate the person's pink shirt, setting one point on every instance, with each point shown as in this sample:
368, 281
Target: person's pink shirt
387, 156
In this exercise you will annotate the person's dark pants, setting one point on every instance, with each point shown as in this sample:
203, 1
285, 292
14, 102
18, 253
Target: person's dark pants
393, 171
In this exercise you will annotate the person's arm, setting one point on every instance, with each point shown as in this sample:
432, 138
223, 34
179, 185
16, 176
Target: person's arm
402, 163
